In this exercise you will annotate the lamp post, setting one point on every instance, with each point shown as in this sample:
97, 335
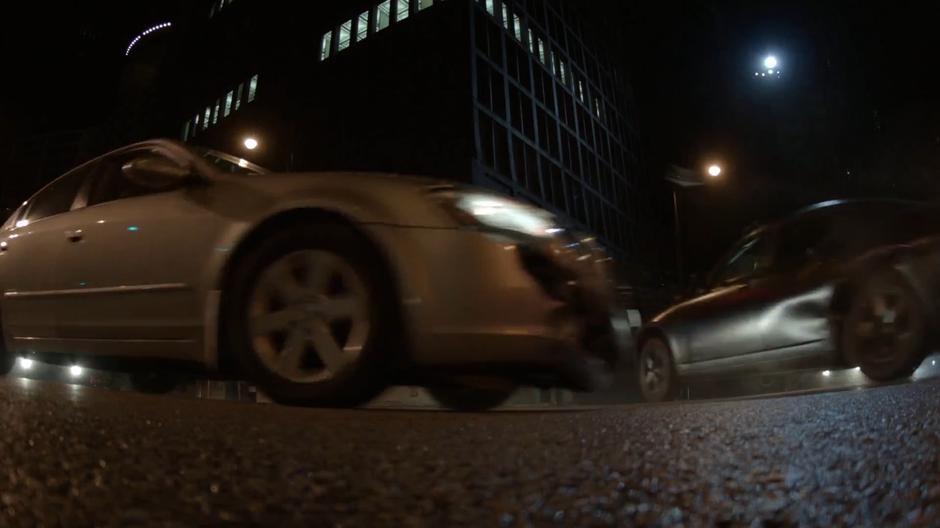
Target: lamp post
682, 178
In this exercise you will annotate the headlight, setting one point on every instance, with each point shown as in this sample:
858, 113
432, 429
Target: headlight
496, 212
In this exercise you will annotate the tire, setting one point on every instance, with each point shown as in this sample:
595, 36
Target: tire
656, 371
885, 331
339, 323
154, 382
470, 399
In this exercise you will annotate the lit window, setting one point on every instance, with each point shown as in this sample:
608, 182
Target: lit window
207, 117
238, 95
597, 107
563, 71
362, 27
402, 11
505, 16
490, 8
541, 51
517, 27
580, 90
326, 45
531, 42
383, 15
345, 31
424, 4
185, 131
228, 102
553, 63
195, 125
215, 111
252, 88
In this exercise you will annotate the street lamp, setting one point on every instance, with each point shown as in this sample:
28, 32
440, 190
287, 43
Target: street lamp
770, 67
682, 178
250, 143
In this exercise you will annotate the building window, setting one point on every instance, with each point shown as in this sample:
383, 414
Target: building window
238, 95
424, 4
228, 103
215, 112
252, 88
581, 90
362, 26
345, 32
541, 45
207, 117
401, 12
517, 27
531, 41
326, 45
383, 15
505, 16
185, 131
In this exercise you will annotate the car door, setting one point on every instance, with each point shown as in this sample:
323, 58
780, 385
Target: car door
799, 285
727, 320
131, 270
28, 249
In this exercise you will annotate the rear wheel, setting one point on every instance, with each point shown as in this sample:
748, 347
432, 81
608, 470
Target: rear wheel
885, 331
657, 371
311, 317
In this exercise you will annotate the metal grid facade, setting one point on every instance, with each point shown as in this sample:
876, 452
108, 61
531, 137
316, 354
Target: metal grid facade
550, 118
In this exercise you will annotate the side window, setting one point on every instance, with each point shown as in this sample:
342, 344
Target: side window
109, 182
750, 259
800, 240
57, 197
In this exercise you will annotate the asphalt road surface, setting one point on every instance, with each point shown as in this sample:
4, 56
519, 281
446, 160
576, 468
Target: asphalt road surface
80, 456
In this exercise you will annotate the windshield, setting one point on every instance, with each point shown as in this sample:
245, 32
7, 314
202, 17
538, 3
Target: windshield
229, 163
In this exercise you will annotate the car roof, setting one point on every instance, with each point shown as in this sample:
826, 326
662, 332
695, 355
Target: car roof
837, 207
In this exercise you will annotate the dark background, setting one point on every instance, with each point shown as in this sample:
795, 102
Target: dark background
855, 114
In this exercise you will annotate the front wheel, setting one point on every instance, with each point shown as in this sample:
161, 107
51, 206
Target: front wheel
311, 317
657, 371
885, 331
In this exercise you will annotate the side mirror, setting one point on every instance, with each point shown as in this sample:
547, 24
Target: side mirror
155, 172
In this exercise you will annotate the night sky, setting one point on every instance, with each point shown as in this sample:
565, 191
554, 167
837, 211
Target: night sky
854, 72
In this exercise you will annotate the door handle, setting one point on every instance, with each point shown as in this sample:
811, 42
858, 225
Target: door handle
74, 236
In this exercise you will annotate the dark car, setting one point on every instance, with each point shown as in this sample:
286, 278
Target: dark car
841, 283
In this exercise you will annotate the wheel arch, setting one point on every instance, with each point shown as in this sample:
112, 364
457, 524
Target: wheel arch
653, 332
303, 216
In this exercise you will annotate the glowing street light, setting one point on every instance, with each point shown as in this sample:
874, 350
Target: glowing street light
250, 143
75, 371
26, 363
770, 62
714, 170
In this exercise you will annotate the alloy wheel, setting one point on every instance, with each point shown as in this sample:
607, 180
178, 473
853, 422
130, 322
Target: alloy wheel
308, 316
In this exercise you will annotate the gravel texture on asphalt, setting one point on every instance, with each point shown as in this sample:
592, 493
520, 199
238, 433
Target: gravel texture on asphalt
77, 456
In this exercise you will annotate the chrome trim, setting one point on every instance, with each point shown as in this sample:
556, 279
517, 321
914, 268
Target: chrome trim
176, 286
